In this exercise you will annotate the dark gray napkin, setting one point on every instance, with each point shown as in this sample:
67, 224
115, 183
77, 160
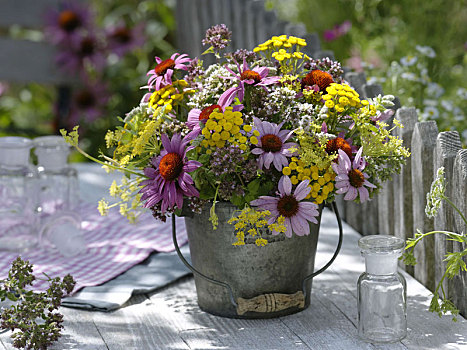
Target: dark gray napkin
157, 271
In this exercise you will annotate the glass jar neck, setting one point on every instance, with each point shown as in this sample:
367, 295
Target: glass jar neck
381, 264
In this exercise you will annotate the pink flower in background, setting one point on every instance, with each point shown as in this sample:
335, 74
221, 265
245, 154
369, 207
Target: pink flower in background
88, 50
338, 31
68, 23
168, 179
257, 76
297, 213
161, 75
272, 146
122, 39
350, 177
88, 103
3, 88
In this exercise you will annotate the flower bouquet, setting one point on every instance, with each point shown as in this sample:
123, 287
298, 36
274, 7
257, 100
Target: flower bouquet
272, 131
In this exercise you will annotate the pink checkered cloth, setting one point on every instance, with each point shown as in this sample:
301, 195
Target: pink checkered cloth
113, 246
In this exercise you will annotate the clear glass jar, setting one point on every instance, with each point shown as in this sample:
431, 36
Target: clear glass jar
58, 182
382, 291
18, 195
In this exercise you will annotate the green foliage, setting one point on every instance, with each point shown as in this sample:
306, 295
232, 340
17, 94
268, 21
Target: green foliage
384, 32
33, 317
455, 263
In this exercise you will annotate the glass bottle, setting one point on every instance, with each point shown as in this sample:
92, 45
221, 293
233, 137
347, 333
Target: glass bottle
382, 291
57, 180
18, 195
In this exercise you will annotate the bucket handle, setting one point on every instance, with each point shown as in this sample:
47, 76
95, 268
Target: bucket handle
270, 302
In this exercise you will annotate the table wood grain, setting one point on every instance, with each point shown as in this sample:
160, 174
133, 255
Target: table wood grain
171, 319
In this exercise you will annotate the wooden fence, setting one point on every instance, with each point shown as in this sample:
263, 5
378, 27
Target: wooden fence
400, 207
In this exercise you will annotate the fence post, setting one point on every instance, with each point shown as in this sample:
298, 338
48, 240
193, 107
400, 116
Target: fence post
458, 291
423, 144
403, 225
447, 145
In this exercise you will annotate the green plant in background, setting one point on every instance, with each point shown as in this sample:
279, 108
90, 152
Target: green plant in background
454, 261
409, 78
383, 32
92, 48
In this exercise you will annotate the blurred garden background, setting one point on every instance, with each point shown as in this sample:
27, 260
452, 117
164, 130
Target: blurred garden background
416, 49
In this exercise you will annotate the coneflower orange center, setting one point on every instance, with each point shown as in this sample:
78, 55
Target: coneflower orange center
250, 74
287, 206
68, 21
332, 146
356, 178
318, 77
162, 67
206, 112
170, 166
122, 35
271, 143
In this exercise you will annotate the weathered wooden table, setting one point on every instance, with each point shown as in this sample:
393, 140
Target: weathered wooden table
171, 319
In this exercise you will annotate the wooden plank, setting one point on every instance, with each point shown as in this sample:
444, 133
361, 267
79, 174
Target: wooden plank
447, 145
237, 24
26, 61
356, 80
79, 332
260, 24
423, 145
458, 288
353, 214
177, 306
25, 13
369, 217
372, 90
138, 325
403, 202
313, 44
323, 54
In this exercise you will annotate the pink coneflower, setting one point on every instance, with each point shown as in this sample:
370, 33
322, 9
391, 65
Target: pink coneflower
122, 39
272, 146
88, 102
195, 116
168, 176
161, 75
66, 24
255, 77
350, 177
297, 213
88, 50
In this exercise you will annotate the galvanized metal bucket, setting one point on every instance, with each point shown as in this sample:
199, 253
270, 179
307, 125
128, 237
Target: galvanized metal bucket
249, 281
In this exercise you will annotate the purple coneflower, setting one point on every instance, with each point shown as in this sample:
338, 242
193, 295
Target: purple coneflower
161, 75
89, 102
297, 213
88, 50
350, 177
272, 146
255, 77
122, 39
65, 25
168, 176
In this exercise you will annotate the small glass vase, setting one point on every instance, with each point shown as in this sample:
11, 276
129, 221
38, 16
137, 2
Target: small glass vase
18, 196
382, 291
58, 182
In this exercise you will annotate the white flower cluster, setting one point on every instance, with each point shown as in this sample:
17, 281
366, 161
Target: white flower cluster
436, 194
213, 87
